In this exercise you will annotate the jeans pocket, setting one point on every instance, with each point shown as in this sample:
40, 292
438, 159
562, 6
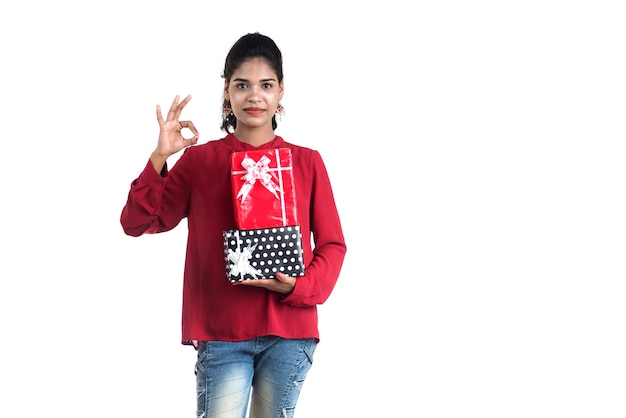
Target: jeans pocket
201, 361
309, 349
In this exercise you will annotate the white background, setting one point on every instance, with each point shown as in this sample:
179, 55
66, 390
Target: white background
476, 153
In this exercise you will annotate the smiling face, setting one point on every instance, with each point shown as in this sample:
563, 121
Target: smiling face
254, 93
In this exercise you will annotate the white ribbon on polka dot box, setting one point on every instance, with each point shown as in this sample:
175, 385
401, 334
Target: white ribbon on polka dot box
261, 253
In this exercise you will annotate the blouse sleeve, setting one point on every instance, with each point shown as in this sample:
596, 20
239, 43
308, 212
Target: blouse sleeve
330, 248
157, 202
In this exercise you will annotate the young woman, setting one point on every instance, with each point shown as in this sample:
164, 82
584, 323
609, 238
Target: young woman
255, 341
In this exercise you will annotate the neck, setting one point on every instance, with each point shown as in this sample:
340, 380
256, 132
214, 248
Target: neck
254, 137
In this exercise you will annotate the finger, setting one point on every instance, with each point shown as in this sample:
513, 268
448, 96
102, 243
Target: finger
171, 115
189, 125
282, 277
182, 105
184, 102
256, 283
159, 115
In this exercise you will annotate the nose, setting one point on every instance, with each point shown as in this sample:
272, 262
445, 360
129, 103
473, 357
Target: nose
253, 94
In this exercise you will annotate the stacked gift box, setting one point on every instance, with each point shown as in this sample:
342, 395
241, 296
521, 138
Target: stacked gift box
267, 239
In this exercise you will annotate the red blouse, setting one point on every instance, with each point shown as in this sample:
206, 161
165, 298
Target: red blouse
198, 187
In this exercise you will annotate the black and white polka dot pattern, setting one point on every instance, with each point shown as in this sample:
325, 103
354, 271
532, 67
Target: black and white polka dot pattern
268, 251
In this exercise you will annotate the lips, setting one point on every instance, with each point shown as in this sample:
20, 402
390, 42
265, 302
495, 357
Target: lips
254, 110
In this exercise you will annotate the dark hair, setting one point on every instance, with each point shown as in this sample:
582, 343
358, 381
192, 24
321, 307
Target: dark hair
251, 45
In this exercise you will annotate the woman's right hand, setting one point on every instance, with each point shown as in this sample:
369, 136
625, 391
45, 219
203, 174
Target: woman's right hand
170, 138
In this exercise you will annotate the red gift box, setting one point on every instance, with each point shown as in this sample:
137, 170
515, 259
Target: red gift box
264, 194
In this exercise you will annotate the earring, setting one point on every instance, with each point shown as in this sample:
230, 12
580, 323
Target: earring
226, 111
280, 111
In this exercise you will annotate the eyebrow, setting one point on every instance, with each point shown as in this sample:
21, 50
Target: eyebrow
262, 80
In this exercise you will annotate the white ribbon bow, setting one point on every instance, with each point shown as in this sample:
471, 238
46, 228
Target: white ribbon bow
257, 171
240, 262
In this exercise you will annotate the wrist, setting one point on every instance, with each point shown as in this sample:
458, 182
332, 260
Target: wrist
158, 161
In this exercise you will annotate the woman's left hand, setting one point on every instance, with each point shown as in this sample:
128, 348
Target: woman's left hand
282, 284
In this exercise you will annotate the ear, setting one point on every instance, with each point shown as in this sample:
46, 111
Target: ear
226, 95
281, 90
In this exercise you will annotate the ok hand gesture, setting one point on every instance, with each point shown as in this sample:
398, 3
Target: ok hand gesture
170, 138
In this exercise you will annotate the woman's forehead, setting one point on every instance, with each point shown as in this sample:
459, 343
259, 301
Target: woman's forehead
255, 67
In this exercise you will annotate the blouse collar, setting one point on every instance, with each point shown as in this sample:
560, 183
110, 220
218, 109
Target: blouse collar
238, 145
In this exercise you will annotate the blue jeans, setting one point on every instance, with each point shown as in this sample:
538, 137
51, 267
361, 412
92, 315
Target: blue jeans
270, 368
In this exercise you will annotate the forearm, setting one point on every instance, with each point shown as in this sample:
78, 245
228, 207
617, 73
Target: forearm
158, 161
142, 212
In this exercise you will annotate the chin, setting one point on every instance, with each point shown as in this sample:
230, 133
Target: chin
254, 123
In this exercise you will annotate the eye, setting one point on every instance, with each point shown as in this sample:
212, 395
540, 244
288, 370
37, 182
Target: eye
267, 85
241, 85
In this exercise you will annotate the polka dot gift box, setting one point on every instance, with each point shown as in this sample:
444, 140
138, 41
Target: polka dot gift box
268, 238
261, 253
